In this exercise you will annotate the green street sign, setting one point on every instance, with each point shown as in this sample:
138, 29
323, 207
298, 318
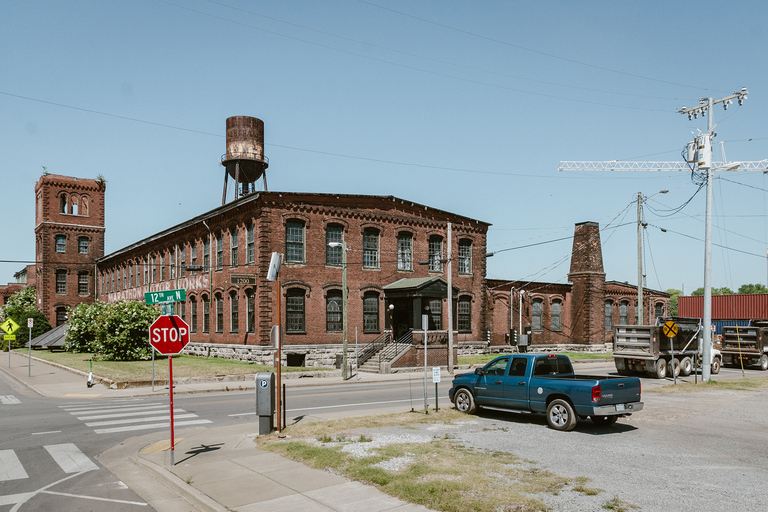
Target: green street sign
9, 326
165, 296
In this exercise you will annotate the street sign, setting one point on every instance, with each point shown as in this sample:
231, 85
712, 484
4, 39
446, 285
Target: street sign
165, 296
242, 280
169, 334
669, 329
435, 374
9, 337
9, 326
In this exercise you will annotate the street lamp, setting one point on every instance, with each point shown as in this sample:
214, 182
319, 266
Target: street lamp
640, 199
343, 245
391, 320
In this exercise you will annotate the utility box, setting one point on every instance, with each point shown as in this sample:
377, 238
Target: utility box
265, 401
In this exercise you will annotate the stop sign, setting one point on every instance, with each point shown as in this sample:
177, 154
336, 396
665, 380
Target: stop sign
169, 334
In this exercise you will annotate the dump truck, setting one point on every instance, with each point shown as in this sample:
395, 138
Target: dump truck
746, 346
647, 349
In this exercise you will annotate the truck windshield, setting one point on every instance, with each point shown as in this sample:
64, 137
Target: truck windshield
553, 366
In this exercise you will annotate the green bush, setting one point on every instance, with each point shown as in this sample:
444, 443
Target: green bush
114, 331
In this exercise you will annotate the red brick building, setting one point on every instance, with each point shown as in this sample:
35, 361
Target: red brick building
69, 238
230, 302
575, 315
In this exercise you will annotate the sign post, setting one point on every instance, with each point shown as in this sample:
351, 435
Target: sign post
425, 326
30, 323
670, 331
169, 335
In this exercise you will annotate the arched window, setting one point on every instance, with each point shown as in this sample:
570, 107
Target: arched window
219, 313
193, 314
465, 256
83, 283
63, 203
61, 282
333, 311
556, 315
371, 248
234, 314
624, 313
61, 315
537, 311
82, 245
371, 312
608, 315
405, 251
294, 241
294, 311
233, 236
435, 253
334, 234
464, 314
206, 314
61, 243
250, 299
658, 310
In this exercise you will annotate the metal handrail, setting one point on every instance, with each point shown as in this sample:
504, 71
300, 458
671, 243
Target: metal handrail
372, 348
391, 351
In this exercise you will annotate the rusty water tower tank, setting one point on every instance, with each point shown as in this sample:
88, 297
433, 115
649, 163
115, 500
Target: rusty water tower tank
244, 160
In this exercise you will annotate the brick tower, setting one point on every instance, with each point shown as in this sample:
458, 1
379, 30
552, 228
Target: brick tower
588, 278
69, 237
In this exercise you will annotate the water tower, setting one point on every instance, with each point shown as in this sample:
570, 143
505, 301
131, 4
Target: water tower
244, 159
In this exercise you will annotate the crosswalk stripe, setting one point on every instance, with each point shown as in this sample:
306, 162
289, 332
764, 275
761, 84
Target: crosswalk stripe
70, 458
114, 407
138, 420
9, 400
121, 415
148, 426
10, 466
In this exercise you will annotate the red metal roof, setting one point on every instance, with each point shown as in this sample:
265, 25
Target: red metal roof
724, 307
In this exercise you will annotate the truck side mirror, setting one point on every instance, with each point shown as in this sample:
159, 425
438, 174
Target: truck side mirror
479, 371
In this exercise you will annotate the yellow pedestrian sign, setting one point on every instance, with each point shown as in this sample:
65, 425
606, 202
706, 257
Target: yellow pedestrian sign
669, 329
9, 326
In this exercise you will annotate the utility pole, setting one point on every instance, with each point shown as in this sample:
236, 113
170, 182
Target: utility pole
639, 316
704, 162
449, 270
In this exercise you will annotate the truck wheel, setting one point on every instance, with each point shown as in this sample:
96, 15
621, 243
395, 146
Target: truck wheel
715, 369
561, 416
604, 421
763, 362
465, 402
673, 368
659, 369
686, 366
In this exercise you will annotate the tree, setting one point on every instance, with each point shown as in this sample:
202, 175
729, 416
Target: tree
673, 295
715, 291
752, 288
20, 306
114, 331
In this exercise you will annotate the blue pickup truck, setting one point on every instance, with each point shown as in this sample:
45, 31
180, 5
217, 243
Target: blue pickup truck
545, 383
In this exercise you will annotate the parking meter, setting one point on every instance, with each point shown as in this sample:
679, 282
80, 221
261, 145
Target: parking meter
265, 401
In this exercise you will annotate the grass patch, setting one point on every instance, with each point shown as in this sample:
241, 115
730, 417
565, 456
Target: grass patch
619, 505
742, 384
183, 366
574, 356
440, 474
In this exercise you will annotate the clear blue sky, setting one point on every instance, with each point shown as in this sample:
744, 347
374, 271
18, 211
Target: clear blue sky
463, 106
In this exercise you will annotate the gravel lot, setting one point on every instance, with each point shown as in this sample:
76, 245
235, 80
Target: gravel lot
699, 451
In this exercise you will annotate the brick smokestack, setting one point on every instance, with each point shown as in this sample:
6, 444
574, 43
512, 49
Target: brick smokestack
588, 278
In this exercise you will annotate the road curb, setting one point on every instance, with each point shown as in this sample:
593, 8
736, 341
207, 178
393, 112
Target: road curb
188, 492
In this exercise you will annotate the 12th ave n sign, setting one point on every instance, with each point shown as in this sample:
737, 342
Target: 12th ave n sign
169, 334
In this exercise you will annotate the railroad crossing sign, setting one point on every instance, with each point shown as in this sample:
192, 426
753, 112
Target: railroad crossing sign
669, 329
9, 326
169, 334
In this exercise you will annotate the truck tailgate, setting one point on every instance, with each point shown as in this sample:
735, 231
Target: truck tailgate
619, 390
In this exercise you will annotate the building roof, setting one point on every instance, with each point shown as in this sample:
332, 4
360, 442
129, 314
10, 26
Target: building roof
420, 286
332, 200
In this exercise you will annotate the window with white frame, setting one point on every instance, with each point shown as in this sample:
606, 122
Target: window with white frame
61, 243
234, 313
371, 248
465, 256
233, 247
405, 251
333, 311
334, 234
82, 245
294, 241
251, 253
435, 253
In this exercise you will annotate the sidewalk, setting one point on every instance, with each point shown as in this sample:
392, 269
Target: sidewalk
216, 469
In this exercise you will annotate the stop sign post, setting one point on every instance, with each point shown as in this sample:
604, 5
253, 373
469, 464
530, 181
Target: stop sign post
169, 334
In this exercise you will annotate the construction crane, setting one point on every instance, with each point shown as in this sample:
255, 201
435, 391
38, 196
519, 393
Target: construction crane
698, 156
